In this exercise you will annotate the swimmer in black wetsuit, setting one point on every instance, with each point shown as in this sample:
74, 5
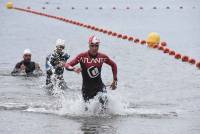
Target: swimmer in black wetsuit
55, 63
26, 66
91, 63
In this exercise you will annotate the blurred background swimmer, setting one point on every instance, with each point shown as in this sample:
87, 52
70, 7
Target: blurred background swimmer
26, 67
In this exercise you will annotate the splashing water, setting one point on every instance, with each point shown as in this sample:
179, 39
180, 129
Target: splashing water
71, 104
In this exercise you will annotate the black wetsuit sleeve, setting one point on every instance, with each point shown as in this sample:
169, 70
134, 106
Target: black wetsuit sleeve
16, 69
65, 57
30, 68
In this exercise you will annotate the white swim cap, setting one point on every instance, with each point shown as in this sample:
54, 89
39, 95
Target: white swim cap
60, 42
27, 51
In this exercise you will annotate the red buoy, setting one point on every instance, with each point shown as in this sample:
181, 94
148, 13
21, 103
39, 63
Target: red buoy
114, 34
166, 50
124, 37
192, 61
198, 65
143, 42
160, 48
119, 35
185, 58
130, 38
93, 27
74, 22
136, 40
28, 7
172, 52
177, 56
88, 26
96, 29
164, 44
155, 46
101, 30
105, 31
109, 32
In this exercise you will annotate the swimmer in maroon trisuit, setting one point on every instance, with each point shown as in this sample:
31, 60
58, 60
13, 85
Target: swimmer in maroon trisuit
91, 63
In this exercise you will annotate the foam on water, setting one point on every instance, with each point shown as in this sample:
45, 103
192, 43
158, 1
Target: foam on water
71, 104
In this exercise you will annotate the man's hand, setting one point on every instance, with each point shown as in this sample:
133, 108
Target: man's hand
113, 86
77, 70
61, 64
22, 67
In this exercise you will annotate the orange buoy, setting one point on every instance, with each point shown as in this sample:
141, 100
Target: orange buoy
124, 37
119, 35
130, 38
164, 44
192, 61
185, 58
177, 56
166, 50
172, 52
198, 65
160, 48
136, 40
143, 42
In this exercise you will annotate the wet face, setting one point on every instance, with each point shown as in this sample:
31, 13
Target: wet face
27, 57
93, 48
60, 49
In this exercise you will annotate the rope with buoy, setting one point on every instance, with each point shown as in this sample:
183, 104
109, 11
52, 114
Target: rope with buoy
153, 39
